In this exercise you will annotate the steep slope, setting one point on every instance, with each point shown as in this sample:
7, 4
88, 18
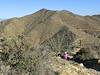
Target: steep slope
62, 67
61, 41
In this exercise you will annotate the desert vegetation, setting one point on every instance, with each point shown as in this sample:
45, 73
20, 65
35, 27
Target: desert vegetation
27, 49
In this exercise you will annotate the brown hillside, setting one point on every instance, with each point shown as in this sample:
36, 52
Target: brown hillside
48, 32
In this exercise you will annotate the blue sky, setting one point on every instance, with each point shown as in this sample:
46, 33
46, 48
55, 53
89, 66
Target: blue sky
17, 8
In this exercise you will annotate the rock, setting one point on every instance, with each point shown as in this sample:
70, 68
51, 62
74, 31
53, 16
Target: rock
81, 64
99, 61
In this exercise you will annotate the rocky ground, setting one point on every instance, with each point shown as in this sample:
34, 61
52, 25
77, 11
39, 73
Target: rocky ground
71, 68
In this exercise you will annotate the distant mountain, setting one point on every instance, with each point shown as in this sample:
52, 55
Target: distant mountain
0, 19
60, 30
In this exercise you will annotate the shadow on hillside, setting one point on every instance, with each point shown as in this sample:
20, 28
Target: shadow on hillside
90, 64
93, 64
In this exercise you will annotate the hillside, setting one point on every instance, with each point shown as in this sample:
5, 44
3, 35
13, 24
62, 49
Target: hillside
44, 32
